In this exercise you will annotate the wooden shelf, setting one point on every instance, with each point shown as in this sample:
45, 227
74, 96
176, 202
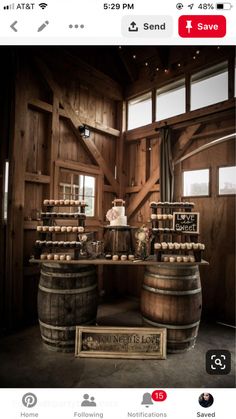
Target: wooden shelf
150, 261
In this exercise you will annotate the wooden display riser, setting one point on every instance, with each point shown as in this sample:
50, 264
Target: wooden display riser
149, 261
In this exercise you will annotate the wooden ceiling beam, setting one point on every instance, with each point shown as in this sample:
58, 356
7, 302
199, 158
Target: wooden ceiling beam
185, 140
180, 121
95, 126
76, 123
146, 188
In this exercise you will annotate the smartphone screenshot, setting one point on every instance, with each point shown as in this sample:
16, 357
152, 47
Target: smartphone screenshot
117, 216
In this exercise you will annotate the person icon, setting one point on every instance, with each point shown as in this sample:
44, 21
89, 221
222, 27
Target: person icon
92, 402
206, 400
86, 401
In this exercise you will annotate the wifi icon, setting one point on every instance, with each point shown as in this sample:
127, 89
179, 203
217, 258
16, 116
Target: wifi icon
43, 5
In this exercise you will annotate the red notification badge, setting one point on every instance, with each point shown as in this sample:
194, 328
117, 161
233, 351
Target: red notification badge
159, 395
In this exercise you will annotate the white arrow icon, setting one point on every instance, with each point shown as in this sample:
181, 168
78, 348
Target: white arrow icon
13, 26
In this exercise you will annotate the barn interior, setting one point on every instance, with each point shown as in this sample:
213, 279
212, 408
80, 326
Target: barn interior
145, 108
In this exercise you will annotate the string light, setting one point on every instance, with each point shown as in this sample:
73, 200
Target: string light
146, 64
134, 56
166, 70
157, 69
194, 57
198, 52
179, 65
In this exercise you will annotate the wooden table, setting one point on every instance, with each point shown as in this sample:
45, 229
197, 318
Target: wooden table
137, 262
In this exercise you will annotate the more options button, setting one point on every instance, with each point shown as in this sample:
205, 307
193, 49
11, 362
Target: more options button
202, 26
147, 26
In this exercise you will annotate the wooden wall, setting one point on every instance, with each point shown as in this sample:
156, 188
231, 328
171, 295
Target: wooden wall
46, 138
217, 229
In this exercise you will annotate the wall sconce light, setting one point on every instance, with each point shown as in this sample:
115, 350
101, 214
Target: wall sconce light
84, 131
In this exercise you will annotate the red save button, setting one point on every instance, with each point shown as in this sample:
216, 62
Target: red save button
197, 26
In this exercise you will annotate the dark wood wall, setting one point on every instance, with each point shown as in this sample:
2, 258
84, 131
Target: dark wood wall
53, 93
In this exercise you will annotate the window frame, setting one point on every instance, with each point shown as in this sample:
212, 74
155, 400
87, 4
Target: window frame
146, 93
205, 74
209, 195
218, 181
163, 89
86, 170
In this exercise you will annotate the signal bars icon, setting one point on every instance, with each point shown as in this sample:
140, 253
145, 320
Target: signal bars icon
43, 5
9, 7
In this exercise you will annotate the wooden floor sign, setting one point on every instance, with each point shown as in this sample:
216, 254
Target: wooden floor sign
120, 342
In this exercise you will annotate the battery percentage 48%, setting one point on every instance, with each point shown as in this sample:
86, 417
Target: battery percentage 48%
206, 6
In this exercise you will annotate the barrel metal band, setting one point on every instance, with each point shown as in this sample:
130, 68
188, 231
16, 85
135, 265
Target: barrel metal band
158, 291
65, 291
65, 328
59, 342
68, 274
181, 341
165, 277
171, 326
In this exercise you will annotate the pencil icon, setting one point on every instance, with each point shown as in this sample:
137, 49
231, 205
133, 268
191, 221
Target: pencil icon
43, 26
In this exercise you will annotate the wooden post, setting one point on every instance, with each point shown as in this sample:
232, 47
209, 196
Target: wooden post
15, 228
54, 143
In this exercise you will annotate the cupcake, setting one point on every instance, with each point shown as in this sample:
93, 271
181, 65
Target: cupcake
131, 257
171, 246
170, 217
50, 256
159, 217
75, 229
51, 229
179, 259
115, 257
62, 202
164, 245
157, 246
67, 202
177, 245
80, 229
51, 202
63, 229
57, 229
165, 216
57, 202
62, 257
153, 216
172, 259
69, 229
191, 259
39, 228
77, 203
68, 257
123, 257
43, 256
46, 202
182, 246
56, 257
185, 259
166, 258
45, 229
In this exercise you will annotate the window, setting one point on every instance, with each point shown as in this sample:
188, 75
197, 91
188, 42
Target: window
227, 180
209, 86
196, 182
170, 100
74, 185
140, 111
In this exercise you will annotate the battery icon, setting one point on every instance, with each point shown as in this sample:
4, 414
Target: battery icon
224, 6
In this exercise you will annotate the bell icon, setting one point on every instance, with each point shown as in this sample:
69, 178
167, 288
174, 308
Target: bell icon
147, 399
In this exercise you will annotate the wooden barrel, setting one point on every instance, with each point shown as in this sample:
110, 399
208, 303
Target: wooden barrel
67, 297
118, 240
171, 297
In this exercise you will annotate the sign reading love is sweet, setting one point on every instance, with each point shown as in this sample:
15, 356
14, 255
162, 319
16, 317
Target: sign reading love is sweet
186, 222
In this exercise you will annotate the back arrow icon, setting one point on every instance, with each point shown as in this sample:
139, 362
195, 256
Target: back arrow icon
13, 26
